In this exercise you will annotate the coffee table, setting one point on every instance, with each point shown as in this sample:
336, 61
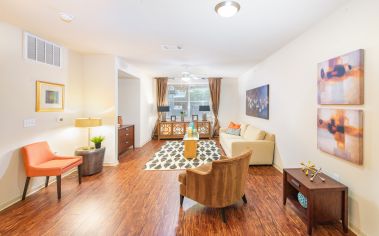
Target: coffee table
190, 145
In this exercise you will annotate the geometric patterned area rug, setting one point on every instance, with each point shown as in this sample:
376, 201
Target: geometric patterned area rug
170, 156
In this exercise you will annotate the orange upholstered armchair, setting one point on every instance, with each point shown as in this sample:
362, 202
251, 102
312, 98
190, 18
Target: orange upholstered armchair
218, 184
40, 161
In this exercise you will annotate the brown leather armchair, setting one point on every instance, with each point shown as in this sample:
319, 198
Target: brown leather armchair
218, 184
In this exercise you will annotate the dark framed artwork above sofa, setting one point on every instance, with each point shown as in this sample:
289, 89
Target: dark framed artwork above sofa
257, 102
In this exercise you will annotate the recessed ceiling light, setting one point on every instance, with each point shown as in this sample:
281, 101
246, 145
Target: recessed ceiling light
66, 17
227, 8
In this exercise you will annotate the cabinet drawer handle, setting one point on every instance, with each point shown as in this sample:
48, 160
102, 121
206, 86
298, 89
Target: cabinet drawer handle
295, 183
126, 142
126, 134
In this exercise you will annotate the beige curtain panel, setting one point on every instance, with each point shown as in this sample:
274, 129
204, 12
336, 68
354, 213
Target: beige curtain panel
161, 99
215, 90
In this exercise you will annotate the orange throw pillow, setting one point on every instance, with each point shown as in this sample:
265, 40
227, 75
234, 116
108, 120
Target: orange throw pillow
234, 126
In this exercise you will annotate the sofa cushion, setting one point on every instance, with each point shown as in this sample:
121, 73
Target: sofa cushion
253, 133
233, 131
229, 136
243, 128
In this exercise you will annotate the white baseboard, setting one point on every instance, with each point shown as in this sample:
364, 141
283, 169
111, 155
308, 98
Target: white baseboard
31, 191
111, 163
280, 169
143, 144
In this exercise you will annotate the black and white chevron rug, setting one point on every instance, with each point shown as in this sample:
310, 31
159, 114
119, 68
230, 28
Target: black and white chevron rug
170, 156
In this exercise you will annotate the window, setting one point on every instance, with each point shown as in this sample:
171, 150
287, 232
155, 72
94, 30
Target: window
188, 98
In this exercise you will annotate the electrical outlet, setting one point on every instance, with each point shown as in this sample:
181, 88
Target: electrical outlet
29, 123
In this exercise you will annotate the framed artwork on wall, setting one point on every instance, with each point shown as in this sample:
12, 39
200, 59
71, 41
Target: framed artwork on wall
340, 133
49, 97
340, 80
257, 102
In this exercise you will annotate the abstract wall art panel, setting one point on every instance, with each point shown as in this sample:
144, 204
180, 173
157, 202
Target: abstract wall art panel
49, 97
257, 102
340, 80
340, 133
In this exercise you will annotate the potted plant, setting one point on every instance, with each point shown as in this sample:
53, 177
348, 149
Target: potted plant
97, 140
182, 116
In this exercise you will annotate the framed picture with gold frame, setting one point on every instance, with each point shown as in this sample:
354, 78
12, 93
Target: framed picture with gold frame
49, 97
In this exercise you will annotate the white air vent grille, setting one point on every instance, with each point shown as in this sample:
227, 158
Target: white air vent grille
43, 51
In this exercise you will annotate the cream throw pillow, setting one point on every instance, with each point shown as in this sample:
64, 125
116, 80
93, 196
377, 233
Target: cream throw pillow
253, 133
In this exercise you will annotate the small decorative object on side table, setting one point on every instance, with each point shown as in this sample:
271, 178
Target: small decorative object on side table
97, 141
327, 200
92, 160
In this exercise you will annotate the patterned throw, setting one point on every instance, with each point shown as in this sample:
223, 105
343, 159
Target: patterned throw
170, 156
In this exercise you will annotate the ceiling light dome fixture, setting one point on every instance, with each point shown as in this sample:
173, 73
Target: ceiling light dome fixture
66, 17
227, 8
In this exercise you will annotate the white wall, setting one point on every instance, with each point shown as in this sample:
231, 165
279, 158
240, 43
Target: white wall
129, 104
292, 75
229, 109
100, 99
17, 89
148, 113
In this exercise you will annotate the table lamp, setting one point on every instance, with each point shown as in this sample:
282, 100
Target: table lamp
88, 123
204, 109
163, 110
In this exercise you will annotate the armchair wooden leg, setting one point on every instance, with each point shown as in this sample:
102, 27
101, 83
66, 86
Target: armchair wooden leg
181, 200
223, 214
25, 187
80, 173
47, 181
59, 180
244, 199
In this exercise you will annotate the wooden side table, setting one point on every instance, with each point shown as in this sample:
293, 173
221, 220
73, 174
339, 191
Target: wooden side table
92, 160
327, 201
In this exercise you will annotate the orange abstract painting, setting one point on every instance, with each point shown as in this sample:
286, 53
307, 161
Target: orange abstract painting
340, 80
340, 133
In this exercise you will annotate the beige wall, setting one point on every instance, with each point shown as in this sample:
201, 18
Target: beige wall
292, 75
17, 93
100, 99
147, 99
229, 110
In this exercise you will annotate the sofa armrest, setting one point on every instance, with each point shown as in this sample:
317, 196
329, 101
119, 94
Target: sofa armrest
263, 151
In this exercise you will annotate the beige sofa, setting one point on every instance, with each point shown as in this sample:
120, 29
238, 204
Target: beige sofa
260, 142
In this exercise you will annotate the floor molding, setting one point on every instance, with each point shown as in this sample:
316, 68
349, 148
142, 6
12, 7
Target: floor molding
32, 190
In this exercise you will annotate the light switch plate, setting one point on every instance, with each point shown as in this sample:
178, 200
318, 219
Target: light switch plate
29, 123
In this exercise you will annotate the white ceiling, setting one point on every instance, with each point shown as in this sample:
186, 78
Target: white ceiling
135, 29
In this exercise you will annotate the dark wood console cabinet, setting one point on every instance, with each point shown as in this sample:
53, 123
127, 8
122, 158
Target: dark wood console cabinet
125, 138
327, 201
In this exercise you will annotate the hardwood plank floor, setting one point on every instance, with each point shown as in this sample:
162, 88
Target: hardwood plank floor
127, 200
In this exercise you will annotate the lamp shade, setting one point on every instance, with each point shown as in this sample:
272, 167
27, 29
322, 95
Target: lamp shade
87, 122
204, 108
163, 109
